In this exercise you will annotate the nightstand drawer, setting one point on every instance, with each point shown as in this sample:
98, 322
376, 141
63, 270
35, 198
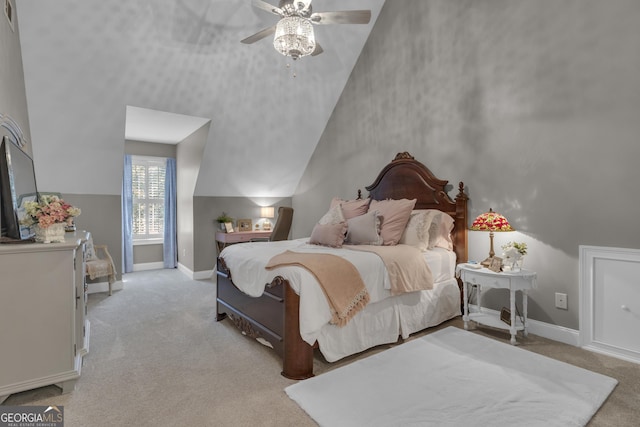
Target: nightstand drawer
488, 281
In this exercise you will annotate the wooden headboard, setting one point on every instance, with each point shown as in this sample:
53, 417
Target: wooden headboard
407, 178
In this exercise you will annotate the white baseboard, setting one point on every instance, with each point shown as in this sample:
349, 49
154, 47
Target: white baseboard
148, 266
198, 275
614, 351
93, 288
572, 337
545, 330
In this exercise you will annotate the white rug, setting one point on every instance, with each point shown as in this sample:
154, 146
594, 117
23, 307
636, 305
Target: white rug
454, 378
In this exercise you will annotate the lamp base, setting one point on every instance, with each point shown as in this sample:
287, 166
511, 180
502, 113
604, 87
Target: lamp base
486, 262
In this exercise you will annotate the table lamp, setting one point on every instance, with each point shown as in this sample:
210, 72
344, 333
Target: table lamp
491, 221
267, 212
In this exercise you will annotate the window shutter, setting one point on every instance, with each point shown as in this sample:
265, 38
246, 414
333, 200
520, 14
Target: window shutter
148, 174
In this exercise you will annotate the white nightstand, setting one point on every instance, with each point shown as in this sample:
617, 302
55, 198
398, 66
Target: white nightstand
484, 278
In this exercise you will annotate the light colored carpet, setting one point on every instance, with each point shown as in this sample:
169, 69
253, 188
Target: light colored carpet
157, 357
453, 377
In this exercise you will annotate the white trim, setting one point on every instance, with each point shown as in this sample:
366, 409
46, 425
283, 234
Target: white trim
159, 265
143, 242
587, 258
186, 271
198, 275
203, 275
542, 329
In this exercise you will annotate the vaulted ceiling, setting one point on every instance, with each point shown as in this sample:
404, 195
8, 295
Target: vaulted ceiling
86, 61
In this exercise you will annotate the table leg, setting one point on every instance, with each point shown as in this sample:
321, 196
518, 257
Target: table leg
512, 305
465, 315
525, 321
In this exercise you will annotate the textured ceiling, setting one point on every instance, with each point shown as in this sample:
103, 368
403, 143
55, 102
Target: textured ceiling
85, 61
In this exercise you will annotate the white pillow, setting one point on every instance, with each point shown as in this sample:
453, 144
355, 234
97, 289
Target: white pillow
428, 229
440, 231
364, 230
334, 216
416, 233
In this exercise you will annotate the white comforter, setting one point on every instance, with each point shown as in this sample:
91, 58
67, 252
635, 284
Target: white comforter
246, 262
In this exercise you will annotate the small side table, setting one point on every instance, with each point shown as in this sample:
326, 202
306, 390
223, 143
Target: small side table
522, 280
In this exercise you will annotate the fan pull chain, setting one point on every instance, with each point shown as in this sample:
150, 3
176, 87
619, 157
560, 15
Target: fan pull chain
294, 71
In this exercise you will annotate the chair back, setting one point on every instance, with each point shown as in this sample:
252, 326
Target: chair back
283, 224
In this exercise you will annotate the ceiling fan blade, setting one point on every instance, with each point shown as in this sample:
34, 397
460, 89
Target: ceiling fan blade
318, 50
342, 17
267, 6
259, 35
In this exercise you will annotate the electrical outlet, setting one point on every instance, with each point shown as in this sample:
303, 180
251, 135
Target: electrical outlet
184, 252
561, 301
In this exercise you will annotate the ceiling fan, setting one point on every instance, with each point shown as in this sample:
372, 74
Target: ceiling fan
294, 34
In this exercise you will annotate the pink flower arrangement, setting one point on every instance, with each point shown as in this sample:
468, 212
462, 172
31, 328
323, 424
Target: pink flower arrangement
48, 211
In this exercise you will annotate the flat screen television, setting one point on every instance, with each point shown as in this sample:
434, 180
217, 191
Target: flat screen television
17, 185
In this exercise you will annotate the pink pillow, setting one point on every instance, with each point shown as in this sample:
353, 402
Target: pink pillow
351, 208
329, 234
395, 215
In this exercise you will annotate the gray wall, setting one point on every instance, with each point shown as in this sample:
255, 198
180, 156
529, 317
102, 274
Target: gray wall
102, 216
13, 98
207, 209
188, 161
534, 105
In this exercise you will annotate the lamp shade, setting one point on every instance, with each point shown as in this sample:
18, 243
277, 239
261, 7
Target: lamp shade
267, 212
491, 221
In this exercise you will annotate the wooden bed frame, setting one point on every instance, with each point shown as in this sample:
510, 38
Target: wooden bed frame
274, 316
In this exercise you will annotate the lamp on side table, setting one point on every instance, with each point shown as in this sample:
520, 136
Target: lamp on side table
490, 221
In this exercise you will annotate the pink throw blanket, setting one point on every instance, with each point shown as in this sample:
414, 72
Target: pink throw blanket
338, 278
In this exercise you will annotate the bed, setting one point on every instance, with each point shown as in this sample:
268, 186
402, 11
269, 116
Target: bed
274, 308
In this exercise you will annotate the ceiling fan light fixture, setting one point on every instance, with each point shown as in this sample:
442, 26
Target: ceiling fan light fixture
294, 37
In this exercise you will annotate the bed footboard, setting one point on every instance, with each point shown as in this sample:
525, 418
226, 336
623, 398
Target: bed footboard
273, 317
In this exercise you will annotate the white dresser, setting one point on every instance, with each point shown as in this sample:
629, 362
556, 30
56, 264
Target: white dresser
44, 332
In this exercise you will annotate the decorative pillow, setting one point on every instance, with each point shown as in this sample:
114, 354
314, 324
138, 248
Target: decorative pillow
351, 208
364, 230
329, 234
416, 233
334, 216
395, 215
440, 231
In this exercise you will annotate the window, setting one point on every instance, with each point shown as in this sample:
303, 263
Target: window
147, 179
